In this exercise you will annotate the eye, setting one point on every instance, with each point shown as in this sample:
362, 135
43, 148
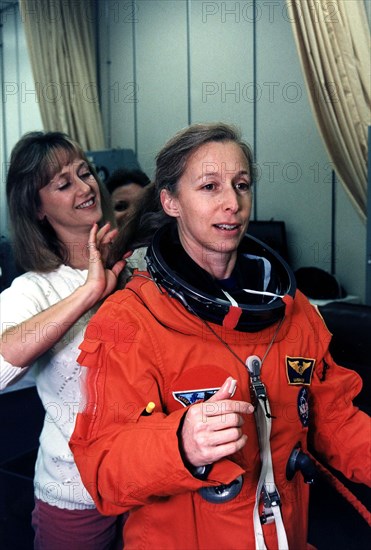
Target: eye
121, 206
64, 186
243, 186
209, 186
85, 175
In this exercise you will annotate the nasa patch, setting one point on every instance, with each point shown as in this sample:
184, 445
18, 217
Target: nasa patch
190, 397
299, 370
303, 406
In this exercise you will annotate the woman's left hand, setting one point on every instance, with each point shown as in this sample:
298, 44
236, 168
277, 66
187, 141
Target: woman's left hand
104, 238
101, 280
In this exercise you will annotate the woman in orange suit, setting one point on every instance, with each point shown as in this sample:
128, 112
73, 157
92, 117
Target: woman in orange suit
236, 361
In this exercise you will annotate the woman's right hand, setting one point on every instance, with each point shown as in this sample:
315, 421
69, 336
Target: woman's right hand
212, 429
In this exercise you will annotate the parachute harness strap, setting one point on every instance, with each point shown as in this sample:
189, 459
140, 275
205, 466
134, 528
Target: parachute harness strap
266, 489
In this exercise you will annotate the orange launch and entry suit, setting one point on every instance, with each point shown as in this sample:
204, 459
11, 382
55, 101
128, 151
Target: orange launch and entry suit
143, 346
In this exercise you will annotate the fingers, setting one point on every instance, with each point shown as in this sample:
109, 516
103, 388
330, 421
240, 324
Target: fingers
101, 280
228, 449
220, 437
221, 421
213, 429
213, 453
118, 267
225, 407
226, 391
102, 236
220, 416
221, 403
93, 234
93, 252
100, 239
106, 235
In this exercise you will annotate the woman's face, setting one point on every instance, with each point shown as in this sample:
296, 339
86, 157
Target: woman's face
125, 200
212, 205
71, 200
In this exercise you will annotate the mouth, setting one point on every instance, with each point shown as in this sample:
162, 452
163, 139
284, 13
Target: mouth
86, 204
227, 226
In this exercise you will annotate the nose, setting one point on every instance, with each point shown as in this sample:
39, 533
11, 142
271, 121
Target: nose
82, 185
230, 200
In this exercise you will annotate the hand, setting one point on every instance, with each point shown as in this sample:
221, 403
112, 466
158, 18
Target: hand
212, 430
104, 239
101, 280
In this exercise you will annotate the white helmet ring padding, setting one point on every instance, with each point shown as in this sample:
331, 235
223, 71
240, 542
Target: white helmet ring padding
253, 317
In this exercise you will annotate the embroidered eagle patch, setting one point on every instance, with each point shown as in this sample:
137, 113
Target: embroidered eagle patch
190, 397
299, 370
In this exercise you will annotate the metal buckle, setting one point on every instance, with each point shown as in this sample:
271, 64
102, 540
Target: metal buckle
270, 500
259, 389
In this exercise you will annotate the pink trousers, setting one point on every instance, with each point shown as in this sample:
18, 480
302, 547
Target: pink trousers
59, 529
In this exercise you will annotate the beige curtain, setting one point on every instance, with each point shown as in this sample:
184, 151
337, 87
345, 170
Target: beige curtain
60, 38
333, 40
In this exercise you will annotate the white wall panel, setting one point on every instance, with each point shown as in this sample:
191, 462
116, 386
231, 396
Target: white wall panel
161, 48
115, 22
221, 54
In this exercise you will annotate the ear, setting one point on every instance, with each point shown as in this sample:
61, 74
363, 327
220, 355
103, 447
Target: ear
169, 203
40, 214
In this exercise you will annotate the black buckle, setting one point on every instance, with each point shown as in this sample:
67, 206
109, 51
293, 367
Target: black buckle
258, 388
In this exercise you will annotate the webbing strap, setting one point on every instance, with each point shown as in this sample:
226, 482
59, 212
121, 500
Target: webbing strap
266, 487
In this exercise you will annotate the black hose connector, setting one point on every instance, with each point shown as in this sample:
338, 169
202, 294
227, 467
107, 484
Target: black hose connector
298, 460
